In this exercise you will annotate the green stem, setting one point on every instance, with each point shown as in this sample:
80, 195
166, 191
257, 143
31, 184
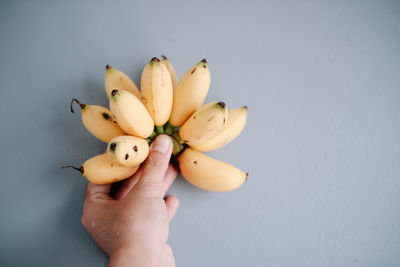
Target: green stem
177, 146
153, 135
178, 138
159, 129
169, 129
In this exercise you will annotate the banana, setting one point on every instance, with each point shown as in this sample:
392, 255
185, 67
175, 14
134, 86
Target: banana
236, 121
190, 93
116, 79
208, 173
128, 150
102, 170
204, 124
99, 121
157, 91
131, 114
171, 70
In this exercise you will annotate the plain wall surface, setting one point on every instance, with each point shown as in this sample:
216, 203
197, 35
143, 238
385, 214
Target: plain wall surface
322, 143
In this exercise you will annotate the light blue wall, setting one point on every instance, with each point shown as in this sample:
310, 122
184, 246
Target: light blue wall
322, 144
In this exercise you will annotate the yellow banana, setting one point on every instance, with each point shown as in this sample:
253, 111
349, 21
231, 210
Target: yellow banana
128, 150
208, 173
204, 124
236, 120
131, 114
102, 170
190, 93
157, 91
116, 79
99, 121
171, 70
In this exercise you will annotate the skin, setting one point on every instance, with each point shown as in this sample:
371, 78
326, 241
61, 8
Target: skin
132, 226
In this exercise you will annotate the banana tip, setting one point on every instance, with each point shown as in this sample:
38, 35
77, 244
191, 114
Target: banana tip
114, 92
81, 169
108, 67
247, 176
204, 60
113, 146
164, 57
79, 103
155, 59
245, 107
221, 104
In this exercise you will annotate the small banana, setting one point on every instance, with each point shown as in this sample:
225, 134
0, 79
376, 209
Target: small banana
116, 79
99, 121
171, 70
157, 91
131, 114
102, 170
204, 124
236, 121
128, 150
208, 173
190, 93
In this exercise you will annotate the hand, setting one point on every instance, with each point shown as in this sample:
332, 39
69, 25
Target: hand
132, 228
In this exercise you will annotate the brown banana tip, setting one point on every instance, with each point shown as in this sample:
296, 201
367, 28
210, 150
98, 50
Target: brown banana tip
114, 92
164, 57
204, 60
108, 67
247, 176
222, 104
156, 59
113, 146
81, 169
245, 107
79, 103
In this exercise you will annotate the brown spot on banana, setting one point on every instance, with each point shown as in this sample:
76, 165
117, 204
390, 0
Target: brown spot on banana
105, 116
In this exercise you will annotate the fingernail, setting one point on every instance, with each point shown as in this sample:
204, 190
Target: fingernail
162, 144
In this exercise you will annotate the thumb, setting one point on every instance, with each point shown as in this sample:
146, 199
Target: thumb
155, 166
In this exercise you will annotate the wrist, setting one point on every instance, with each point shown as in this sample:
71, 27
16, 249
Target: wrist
145, 256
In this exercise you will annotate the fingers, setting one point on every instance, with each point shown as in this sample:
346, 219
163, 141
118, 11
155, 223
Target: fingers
127, 185
155, 166
98, 191
169, 178
172, 204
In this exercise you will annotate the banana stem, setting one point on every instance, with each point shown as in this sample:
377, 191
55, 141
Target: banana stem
177, 146
160, 129
178, 138
169, 129
153, 135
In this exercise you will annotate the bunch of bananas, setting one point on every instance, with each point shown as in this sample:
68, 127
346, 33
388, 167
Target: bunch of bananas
163, 106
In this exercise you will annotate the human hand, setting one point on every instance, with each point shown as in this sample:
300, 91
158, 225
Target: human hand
132, 228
